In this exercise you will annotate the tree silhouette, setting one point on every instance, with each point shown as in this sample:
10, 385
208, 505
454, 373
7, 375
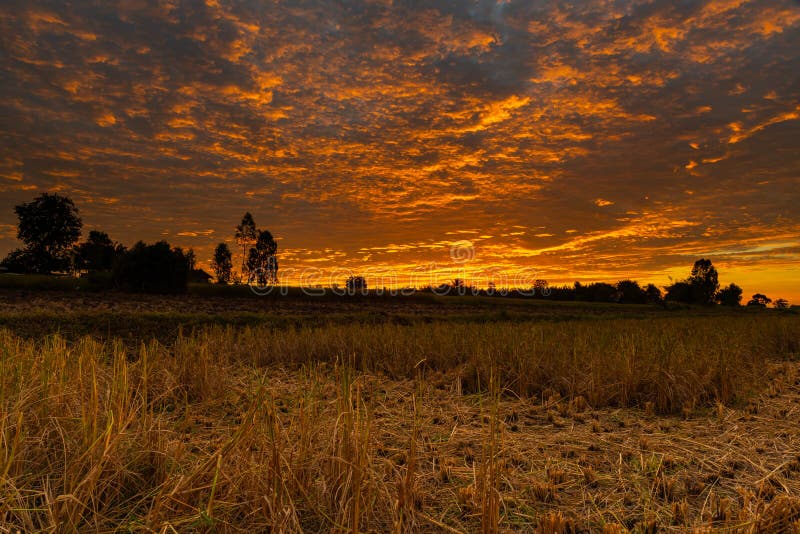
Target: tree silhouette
759, 300
222, 263
49, 226
246, 235
704, 282
730, 296
679, 292
652, 294
630, 292
781, 304
18, 261
153, 268
356, 283
541, 288
97, 253
191, 258
700, 288
262, 261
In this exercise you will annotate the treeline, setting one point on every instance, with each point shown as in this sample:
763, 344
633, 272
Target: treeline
50, 228
701, 287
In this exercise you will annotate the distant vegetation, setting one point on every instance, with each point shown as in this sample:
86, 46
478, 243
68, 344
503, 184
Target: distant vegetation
50, 228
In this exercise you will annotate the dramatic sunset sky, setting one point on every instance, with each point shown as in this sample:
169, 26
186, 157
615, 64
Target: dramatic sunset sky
584, 140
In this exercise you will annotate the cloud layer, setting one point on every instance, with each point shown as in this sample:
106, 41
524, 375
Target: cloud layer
589, 141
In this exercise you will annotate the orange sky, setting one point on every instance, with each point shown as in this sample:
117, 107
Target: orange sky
593, 141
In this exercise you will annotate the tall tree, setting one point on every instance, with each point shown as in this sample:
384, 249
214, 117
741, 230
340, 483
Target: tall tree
222, 263
49, 226
262, 260
191, 259
246, 235
730, 295
704, 282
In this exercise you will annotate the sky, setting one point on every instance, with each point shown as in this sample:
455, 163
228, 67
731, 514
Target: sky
415, 140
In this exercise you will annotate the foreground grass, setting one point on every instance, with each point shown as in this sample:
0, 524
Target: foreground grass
402, 428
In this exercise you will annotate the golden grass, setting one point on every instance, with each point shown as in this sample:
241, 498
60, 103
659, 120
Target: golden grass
439, 427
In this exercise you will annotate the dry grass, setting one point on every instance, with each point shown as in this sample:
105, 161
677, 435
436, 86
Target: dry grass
502, 427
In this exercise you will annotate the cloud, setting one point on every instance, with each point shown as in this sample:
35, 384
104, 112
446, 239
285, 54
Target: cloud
384, 126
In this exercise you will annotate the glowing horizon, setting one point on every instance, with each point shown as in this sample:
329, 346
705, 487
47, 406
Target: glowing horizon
596, 142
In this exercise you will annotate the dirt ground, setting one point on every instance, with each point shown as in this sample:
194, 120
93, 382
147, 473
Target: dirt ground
562, 466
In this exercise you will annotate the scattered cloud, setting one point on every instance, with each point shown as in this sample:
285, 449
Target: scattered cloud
387, 129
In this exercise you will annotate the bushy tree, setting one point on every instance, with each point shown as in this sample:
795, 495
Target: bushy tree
700, 288
222, 263
652, 294
246, 235
49, 226
18, 261
730, 295
153, 268
679, 292
262, 260
630, 292
759, 300
97, 253
704, 281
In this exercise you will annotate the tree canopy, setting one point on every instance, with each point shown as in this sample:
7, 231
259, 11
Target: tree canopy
97, 253
155, 268
49, 226
730, 295
759, 300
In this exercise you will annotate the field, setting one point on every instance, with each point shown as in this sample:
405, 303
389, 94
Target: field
226, 412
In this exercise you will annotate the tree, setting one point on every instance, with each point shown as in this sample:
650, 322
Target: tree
781, 304
541, 287
730, 296
760, 300
630, 292
679, 292
356, 283
652, 294
262, 261
704, 282
18, 261
49, 226
153, 268
246, 235
191, 258
222, 263
97, 253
